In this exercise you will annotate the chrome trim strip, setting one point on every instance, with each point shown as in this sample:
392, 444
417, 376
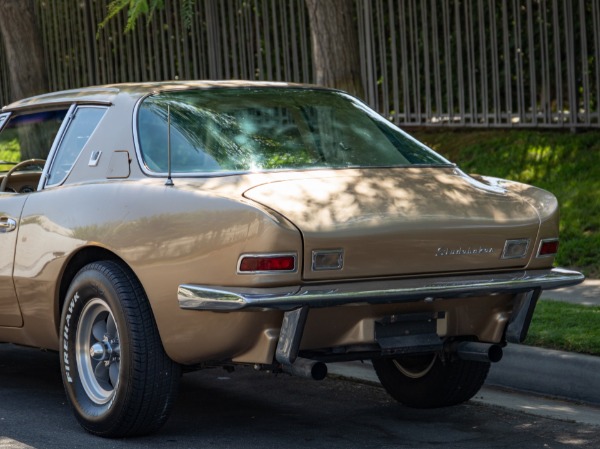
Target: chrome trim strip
206, 297
4, 119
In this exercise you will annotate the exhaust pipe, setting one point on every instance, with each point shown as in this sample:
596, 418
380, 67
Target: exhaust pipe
310, 369
479, 352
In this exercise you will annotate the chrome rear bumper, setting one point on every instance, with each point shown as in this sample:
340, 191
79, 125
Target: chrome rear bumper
208, 297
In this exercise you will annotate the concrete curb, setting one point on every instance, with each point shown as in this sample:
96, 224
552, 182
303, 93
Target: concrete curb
545, 372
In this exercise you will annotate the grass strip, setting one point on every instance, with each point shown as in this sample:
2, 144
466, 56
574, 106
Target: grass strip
565, 326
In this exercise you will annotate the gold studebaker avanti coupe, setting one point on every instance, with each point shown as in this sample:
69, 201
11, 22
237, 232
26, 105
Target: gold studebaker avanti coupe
146, 228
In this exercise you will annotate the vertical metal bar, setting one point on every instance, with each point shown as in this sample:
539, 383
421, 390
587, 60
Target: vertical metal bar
203, 51
519, 63
570, 54
507, 64
437, 62
531, 60
257, 36
184, 42
191, 40
448, 73
234, 40
545, 64
304, 45
384, 107
173, 16
267, 44
294, 39
414, 53
369, 58
557, 63
394, 55
471, 69
135, 73
495, 68
362, 39
274, 22
250, 41
596, 26
585, 74
225, 44
483, 67
426, 59
157, 49
459, 63
287, 64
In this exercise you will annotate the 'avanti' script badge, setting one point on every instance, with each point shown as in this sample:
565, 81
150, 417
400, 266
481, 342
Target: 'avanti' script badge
460, 251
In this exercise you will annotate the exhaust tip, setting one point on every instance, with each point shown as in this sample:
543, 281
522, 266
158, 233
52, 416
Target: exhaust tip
319, 371
310, 369
479, 352
495, 353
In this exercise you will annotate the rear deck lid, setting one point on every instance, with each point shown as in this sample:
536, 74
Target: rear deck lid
400, 221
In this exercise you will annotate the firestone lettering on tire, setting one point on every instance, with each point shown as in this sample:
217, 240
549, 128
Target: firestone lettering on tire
66, 338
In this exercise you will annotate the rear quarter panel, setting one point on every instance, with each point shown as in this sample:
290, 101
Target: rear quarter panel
167, 236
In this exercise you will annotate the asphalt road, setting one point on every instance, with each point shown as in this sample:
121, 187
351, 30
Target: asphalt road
246, 409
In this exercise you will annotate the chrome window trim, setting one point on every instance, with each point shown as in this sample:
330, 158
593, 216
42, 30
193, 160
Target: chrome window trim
4, 119
57, 140
282, 254
540, 248
62, 132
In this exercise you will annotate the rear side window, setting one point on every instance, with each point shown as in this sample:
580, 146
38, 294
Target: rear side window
83, 124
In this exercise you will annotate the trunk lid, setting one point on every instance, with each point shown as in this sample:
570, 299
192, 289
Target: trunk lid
401, 221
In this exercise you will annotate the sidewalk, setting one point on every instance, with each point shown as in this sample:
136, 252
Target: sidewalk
586, 293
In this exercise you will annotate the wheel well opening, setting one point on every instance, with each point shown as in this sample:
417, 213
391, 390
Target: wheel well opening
77, 262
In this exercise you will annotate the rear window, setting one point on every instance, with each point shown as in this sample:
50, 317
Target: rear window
257, 129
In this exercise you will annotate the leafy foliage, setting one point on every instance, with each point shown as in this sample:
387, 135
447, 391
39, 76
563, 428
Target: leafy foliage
10, 152
138, 8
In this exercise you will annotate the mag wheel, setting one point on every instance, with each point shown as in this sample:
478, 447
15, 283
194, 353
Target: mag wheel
427, 381
117, 376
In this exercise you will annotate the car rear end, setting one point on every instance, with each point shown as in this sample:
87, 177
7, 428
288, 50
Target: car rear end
401, 255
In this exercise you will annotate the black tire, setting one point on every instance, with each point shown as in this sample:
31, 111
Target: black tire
116, 374
425, 381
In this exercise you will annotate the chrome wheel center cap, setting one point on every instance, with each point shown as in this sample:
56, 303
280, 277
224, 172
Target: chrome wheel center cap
98, 352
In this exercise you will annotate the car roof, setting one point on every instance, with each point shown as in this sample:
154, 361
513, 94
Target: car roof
106, 94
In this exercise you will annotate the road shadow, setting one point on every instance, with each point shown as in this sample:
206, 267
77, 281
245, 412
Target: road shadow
248, 409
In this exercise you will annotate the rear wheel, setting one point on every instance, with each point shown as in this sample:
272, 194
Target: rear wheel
116, 374
427, 381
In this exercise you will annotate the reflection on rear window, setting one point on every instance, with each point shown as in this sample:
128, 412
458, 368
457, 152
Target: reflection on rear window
253, 129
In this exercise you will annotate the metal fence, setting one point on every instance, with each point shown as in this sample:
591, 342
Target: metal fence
483, 62
508, 63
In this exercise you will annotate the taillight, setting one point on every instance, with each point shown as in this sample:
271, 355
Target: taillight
548, 248
267, 263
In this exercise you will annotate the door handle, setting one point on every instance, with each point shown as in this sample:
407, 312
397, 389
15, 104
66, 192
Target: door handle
7, 224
